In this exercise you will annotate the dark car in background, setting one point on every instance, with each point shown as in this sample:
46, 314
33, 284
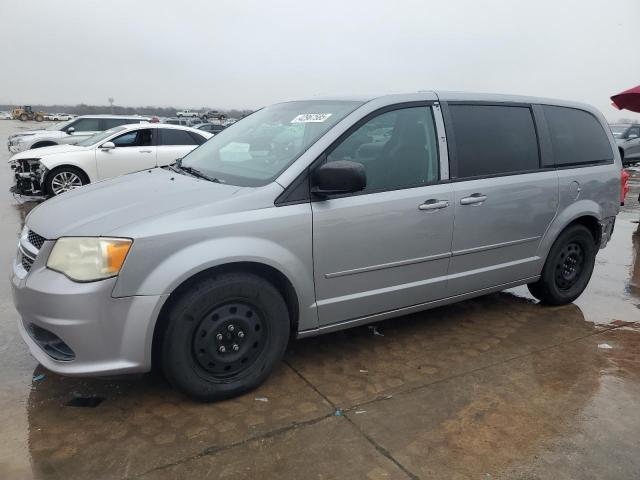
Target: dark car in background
628, 139
213, 128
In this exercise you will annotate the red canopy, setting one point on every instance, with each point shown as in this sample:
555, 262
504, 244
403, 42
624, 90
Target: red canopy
628, 100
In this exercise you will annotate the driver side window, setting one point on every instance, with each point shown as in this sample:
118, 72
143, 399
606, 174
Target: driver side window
398, 149
137, 138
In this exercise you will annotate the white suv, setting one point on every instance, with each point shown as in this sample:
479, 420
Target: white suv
187, 113
69, 132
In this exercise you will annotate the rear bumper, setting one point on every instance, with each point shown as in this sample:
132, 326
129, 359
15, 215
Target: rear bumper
94, 333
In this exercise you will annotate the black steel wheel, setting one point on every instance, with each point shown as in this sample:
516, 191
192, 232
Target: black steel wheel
224, 335
568, 267
229, 339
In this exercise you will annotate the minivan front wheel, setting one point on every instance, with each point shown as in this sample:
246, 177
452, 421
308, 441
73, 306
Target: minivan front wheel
224, 336
568, 268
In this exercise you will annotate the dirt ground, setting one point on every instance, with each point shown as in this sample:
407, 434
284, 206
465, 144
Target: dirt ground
496, 387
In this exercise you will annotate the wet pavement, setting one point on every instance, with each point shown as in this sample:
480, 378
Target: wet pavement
496, 387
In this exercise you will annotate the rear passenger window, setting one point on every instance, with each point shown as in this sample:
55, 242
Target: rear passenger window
493, 140
170, 136
199, 139
576, 137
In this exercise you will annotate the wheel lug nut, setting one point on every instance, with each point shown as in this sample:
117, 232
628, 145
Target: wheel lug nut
231, 328
222, 349
219, 337
240, 334
235, 347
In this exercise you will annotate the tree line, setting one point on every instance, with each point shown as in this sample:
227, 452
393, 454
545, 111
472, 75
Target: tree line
84, 109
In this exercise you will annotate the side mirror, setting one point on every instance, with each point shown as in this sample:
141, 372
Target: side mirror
341, 176
108, 146
70, 130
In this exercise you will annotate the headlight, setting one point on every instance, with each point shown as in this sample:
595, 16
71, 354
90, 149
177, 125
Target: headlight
87, 259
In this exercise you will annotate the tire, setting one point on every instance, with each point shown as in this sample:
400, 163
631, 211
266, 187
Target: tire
39, 118
24, 117
568, 267
224, 336
71, 176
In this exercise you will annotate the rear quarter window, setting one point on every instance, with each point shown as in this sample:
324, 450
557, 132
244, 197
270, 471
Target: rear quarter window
577, 137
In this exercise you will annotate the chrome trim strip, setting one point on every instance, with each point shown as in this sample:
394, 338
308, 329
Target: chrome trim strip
387, 265
410, 309
442, 141
495, 245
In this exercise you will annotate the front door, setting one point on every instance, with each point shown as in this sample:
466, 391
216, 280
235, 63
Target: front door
135, 151
388, 246
504, 201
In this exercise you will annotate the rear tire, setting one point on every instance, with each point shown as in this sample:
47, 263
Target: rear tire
224, 336
568, 267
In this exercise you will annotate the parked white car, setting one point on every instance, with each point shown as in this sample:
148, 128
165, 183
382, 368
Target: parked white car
187, 113
58, 117
54, 170
70, 132
5, 116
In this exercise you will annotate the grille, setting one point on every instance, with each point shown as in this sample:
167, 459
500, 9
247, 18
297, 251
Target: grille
35, 239
53, 345
26, 263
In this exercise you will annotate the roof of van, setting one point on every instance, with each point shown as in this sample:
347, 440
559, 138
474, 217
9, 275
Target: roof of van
453, 96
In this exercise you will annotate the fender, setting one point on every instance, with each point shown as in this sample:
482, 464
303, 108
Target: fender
183, 264
580, 208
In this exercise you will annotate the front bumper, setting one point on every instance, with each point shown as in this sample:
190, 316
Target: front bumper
28, 178
16, 147
105, 335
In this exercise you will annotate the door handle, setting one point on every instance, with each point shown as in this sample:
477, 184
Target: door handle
145, 151
433, 204
475, 199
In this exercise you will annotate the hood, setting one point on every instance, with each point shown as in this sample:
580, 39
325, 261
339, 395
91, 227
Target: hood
44, 151
40, 133
100, 208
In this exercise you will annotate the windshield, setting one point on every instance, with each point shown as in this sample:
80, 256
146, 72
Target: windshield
98, 137
60, 126
618, 130
255, 150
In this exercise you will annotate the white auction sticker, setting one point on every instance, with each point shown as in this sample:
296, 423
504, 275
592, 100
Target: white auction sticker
311, 118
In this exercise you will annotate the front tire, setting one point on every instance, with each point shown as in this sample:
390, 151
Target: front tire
224, 336
568, 267
62, 179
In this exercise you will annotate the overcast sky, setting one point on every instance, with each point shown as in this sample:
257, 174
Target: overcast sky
248, 53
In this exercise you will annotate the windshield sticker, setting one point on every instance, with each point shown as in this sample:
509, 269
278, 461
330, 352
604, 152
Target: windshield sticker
311, 118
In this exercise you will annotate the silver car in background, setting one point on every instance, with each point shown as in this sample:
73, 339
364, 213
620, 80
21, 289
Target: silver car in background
69, 132
312, 216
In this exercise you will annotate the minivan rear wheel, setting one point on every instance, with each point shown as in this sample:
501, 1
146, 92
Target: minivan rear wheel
224, 336
568, 268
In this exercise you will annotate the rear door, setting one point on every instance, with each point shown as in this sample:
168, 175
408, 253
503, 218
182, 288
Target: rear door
135, 150
388, 246
504, 199
174, 144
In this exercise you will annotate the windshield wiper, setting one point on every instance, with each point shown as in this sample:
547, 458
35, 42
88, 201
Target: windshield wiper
192, 171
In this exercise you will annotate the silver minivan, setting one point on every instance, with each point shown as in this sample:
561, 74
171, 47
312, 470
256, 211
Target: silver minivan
312, 216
